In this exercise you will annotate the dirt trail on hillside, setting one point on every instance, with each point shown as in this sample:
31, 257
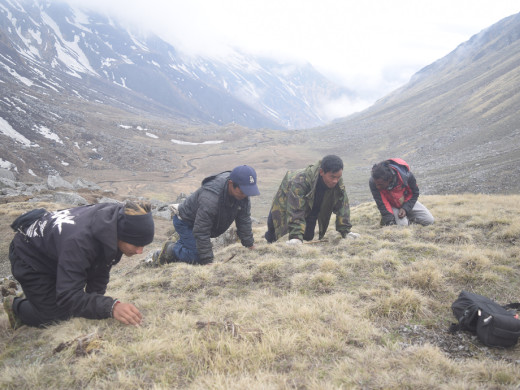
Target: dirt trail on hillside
191, 167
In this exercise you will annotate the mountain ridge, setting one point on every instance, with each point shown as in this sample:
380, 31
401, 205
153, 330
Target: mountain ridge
456, 121
83, 44
456, 124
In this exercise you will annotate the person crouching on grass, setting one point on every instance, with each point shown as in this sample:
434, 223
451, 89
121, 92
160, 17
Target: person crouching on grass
207, 213
63, 261
395, 192
307, 196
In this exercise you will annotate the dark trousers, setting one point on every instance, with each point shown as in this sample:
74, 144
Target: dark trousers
185, 248
310, 225
38, 308
270, 233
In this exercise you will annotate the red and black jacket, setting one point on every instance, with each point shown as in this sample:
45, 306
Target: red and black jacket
402, 192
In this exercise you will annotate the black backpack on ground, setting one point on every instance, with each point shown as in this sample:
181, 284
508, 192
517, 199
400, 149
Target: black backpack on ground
494, 325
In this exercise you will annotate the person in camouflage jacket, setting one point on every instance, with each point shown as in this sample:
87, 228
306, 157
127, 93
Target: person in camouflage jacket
308, 196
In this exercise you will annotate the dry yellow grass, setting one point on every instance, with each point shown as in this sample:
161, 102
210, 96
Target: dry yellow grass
366, 313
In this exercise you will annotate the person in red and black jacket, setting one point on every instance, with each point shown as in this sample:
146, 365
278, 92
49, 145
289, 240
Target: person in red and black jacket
395, 191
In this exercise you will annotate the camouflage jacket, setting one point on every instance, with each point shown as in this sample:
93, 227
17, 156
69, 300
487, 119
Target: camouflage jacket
295, 197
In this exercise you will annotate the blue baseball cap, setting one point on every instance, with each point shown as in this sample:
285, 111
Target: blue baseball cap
245, 177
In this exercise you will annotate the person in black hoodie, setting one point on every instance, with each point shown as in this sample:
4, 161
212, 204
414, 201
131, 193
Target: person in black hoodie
221, 200
63, 259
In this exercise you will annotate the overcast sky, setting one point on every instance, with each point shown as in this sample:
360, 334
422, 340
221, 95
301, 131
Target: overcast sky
370, 46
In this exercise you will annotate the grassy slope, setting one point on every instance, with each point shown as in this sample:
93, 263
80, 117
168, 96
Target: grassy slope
366, 313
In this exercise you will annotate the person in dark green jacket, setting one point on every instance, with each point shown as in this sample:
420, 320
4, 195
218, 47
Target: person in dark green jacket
308, 196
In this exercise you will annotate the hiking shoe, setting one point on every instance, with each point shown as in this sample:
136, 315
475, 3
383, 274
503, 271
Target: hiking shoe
14, 320
164, 255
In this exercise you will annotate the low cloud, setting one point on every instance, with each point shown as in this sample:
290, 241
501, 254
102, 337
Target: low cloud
342, 107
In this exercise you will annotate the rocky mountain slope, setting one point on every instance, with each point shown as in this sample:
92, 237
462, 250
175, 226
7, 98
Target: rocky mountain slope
52, 47
457, 121
85, 97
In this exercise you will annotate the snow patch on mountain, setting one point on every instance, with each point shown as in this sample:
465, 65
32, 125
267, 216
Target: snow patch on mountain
69, 52
47, 133
178, 142
13, 73
7, 165
7, 129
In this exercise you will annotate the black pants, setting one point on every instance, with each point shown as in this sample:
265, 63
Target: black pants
38, 308
270, 233
310, 225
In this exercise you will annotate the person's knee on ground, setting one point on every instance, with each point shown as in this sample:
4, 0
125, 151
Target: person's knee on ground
424, 221
399, 221
31, 315
421, 215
